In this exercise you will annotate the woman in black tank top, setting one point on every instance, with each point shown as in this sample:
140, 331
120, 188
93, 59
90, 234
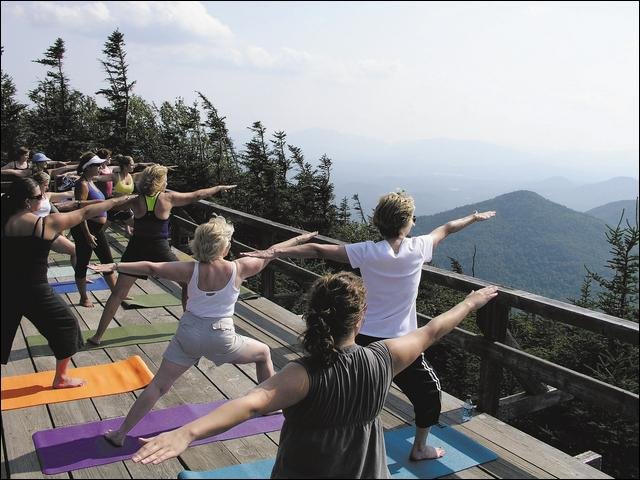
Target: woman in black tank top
150, 240
333, 396
26, 241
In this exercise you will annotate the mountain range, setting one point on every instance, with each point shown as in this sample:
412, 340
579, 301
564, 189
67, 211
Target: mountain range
532, 244
442, 173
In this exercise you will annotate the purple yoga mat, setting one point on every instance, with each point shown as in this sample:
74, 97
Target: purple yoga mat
81, 446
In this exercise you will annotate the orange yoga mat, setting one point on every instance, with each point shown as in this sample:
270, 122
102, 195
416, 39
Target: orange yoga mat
108, 379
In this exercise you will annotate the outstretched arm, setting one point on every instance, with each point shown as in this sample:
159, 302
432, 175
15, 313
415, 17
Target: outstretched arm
337, 253
177, 271
180, 199
454, 226
404, 350
16, 172
285, 388
62, 221
249, 266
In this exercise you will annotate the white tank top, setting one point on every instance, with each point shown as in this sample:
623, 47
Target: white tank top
216, 304
45, 208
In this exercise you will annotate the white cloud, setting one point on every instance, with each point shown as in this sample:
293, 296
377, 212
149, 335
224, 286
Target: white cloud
186, 33
168, 19
82, 17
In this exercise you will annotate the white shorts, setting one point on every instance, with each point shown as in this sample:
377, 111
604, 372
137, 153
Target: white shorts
213, 338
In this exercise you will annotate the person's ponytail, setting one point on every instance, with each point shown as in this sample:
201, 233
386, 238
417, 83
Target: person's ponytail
335, 306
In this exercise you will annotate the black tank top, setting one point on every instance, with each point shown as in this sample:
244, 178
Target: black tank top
24, 259
151, 226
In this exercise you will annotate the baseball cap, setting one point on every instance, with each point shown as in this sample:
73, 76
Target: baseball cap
40, 157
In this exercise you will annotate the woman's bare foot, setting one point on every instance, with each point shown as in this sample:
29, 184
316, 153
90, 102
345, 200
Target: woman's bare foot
114, 438
67, 382
85, 302
426, 453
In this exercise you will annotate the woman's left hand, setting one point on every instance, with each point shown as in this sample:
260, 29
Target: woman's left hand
162, 447
102, 267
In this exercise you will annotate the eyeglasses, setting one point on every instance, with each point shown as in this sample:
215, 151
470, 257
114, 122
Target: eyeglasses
37, 197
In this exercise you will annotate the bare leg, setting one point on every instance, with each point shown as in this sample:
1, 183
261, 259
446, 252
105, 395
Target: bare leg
167, 374
63, 245
61, 379
111, 281
258, 353
120, 291
422, 451
81, 283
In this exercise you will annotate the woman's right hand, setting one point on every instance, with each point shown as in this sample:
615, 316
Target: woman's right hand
479, 298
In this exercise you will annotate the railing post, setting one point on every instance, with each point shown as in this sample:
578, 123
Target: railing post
492, 320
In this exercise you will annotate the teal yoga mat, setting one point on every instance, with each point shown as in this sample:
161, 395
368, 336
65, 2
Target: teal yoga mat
462, 453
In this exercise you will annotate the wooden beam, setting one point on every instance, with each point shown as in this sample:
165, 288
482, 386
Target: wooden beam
520, 404
590, 458
492, 320
581, 386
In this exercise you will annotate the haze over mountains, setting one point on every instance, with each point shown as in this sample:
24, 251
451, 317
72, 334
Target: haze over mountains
443, 173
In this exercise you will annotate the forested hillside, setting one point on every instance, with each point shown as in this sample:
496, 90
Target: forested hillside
532, 244
610, 213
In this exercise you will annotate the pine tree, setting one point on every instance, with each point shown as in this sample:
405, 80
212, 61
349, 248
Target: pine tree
619, 295
220, 145
53, 122
118, 93
10, 117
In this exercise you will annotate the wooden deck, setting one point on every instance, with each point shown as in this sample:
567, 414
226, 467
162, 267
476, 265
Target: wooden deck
520, 455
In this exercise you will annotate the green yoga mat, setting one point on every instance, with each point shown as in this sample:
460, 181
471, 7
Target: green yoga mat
149, 300
113, 337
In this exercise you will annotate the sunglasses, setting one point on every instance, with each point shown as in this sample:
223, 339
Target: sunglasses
37, 197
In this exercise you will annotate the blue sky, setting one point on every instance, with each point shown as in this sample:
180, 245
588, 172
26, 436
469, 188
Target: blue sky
550, 76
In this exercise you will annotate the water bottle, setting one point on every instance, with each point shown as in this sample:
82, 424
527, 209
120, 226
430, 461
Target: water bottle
467, 409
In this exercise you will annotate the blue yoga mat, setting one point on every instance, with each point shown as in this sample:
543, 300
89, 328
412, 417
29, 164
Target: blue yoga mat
462, 453
70, 286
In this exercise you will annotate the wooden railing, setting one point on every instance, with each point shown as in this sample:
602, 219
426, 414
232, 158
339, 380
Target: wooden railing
544, 382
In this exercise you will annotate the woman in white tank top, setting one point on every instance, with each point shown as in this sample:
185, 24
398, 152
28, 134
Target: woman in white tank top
206, 328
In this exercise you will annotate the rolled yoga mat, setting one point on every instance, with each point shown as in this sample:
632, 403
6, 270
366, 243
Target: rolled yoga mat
461, 453
35, 389
113, 337
80, 446
70, 286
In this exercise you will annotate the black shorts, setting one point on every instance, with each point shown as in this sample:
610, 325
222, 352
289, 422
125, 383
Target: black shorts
142, 249
47, 311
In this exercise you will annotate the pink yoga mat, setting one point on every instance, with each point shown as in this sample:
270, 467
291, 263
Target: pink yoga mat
81, 446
